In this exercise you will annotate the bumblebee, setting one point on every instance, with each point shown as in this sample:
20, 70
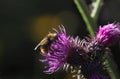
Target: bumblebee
46, 42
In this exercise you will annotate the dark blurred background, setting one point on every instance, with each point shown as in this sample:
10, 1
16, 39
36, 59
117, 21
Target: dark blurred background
23, 23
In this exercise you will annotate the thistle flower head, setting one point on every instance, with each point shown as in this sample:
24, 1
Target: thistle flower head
72, 54
109, 34
75, 52
62, 51
58, 50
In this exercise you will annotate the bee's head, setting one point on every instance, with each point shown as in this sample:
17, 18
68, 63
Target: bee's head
51, 36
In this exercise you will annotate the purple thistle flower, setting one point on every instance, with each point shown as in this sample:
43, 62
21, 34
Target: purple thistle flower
58, 51
75, 56
108, 34
64, 51
79, 57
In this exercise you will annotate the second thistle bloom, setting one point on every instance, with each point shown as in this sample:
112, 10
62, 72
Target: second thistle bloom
96, 48
109, 34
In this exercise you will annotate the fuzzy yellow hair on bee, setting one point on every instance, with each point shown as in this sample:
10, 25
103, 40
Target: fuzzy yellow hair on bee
46, 42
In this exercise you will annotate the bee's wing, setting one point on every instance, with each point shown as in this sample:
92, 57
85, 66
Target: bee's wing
37, 46
44, 41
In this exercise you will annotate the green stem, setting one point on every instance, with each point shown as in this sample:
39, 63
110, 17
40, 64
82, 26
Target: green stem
82, 8
112, 68
96, 9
